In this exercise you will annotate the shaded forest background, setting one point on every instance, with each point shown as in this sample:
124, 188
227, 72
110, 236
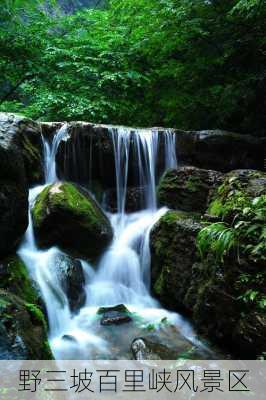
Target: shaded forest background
191, 64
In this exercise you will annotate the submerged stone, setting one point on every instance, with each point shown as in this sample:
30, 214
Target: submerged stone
67, 216
115, 315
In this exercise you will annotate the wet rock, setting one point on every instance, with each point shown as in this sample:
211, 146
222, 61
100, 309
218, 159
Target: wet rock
210, 289
72, 280
69, 338
20, 166
87, 153
66, 216
114, 315
23, 330
13, 215
155, 347
134, 199
21, 135
15, 278
49, 129
220, 150
187, 188
173, 252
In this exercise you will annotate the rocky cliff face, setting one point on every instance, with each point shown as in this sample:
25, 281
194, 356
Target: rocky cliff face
224, 292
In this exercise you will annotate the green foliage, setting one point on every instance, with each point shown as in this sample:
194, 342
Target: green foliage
247, 236
185, 63
247, 233
216, 238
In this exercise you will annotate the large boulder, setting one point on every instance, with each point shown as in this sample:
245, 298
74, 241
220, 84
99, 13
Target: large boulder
64, 215
21, 135
187, 188
173, 250
20, 166
220, 150
72, 280
23, 330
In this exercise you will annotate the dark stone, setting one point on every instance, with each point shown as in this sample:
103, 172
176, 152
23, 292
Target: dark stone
72, 280
19, 135
115, 315
173, 251
187, 188
149, 348
23, 330
134, 199
114, 318
220, 150
65, 215
13, 216
87, 154
20, 167
49, 129
69, 338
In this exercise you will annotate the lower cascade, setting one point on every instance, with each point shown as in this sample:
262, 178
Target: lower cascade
101, 328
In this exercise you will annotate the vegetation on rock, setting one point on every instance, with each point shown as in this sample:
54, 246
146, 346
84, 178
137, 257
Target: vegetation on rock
187, 188
217, 271
23, 329
67, 216
14, 277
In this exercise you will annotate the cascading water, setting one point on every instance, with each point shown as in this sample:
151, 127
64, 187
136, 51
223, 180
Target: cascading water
123, 273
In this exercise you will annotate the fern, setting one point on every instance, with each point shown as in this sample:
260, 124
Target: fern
216, 238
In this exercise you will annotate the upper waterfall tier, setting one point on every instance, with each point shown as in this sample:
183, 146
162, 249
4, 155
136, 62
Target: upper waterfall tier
218, 150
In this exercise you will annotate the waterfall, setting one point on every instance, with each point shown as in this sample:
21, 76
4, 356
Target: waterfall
123, 272
50, 154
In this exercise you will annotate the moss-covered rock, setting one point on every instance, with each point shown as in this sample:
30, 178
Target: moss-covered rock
23, 329
187, 188
225, 297
238, 188
20, 167
67, 216
173, 249
22, 135
14, 278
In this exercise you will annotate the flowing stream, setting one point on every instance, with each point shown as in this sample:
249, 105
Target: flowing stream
123, 272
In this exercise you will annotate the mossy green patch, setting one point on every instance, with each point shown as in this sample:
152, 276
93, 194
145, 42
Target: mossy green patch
194, 183
68, 197
158, 286
36, 313
15, 278
39, 209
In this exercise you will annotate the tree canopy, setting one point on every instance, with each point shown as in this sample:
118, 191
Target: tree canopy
191, 64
